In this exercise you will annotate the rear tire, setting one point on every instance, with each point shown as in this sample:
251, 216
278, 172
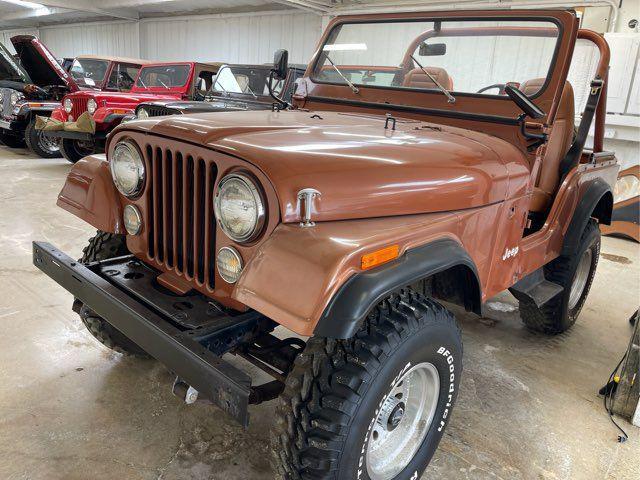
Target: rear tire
575, 273
344, 399
102, 247
74, 150
42, 146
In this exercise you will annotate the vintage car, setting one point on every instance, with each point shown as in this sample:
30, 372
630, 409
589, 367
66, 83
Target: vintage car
625, 221
236, 87
34, 85
429, 159
81, 135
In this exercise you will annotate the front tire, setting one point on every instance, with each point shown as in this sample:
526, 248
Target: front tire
104, 246
575, 273
44, 147
373, 407
74, 150
10, 140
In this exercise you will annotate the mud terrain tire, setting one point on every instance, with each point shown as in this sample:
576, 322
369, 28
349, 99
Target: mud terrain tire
102, 247
559, 314
74, 150
329, 411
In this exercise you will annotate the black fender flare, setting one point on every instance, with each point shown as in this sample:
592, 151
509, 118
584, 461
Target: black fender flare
596, 202
363, 291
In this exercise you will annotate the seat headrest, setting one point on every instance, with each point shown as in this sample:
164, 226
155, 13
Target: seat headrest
416, 78
566, 109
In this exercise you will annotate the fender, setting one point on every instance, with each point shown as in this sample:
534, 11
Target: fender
363, 291
89, 194
597, 201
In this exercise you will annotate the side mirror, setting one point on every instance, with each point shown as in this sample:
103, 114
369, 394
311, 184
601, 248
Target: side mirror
432, 49
280, 64
523, 102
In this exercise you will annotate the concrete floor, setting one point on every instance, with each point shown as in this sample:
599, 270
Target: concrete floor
70, 409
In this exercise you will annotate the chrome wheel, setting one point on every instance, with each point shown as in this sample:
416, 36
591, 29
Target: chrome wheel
403, 422
48, 144
581, 278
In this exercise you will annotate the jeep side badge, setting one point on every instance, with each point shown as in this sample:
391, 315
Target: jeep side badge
307, 195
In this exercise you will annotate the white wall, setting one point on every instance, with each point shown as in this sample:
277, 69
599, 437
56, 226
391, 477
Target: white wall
233, 38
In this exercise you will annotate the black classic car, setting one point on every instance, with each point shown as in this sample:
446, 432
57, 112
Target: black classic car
31, 83
235, 87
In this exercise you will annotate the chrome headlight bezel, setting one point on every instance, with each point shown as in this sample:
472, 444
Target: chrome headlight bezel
258, 199
92, 106
134, 151
626, 188
67, 104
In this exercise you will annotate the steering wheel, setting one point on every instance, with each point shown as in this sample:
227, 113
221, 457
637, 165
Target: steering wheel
499, 86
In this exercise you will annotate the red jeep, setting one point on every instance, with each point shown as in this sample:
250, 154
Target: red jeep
158, 81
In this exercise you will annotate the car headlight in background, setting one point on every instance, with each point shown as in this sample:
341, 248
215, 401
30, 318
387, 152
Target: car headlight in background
229, 264
15, 98
67, 104
239, 208
626, 187
142, 113
132, 220
127, 168
92, 106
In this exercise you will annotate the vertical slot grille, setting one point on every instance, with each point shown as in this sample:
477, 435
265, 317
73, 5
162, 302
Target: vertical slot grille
79, 106
181, 233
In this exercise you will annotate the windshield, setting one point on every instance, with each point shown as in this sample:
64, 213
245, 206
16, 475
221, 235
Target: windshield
252, 81
122, 77
9, 68
479, 57
89, 72
163, 76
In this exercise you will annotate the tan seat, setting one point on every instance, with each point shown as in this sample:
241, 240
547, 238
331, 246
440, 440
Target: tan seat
558, 145
416, 78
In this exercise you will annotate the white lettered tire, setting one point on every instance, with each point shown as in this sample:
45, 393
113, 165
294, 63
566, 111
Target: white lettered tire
373, 407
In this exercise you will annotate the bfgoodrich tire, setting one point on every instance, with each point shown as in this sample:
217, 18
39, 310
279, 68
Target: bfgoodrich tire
373, 407
102, 247
575, 273
42, 146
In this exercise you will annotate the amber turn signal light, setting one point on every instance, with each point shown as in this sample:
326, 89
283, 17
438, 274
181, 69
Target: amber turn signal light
379, 257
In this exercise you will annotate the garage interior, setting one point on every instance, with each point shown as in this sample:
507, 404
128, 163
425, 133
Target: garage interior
70, 409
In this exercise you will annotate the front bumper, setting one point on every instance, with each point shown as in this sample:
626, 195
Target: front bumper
106, 288
5, 125
81, 136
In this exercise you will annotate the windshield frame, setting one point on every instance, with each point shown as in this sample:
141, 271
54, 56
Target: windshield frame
315, 66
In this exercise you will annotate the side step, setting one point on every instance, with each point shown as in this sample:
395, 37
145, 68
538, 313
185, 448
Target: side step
536, 288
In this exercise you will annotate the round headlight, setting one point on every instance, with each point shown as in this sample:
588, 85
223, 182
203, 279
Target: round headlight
132, 220
626, 187
239, 208
67, 104
127, 168
142, 113
92, 106
15, 97
229, 264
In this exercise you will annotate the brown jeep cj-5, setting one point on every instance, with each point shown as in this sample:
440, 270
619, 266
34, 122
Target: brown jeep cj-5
428, 158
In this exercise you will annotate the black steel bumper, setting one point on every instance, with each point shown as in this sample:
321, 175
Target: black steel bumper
186, 352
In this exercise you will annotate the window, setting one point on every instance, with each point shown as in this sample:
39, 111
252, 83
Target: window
479, 57
163, 76
122, 77
252, 81
89, 72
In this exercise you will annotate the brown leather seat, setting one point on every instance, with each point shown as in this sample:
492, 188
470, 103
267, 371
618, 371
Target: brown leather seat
416, 78
558, 145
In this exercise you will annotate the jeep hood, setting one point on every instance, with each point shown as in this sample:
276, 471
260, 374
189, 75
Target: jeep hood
10, 70
361, 168
40, 64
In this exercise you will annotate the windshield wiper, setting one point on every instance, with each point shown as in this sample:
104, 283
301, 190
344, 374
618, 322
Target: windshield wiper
224, 90
163, 84
353, 87
251, 91
450, 98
